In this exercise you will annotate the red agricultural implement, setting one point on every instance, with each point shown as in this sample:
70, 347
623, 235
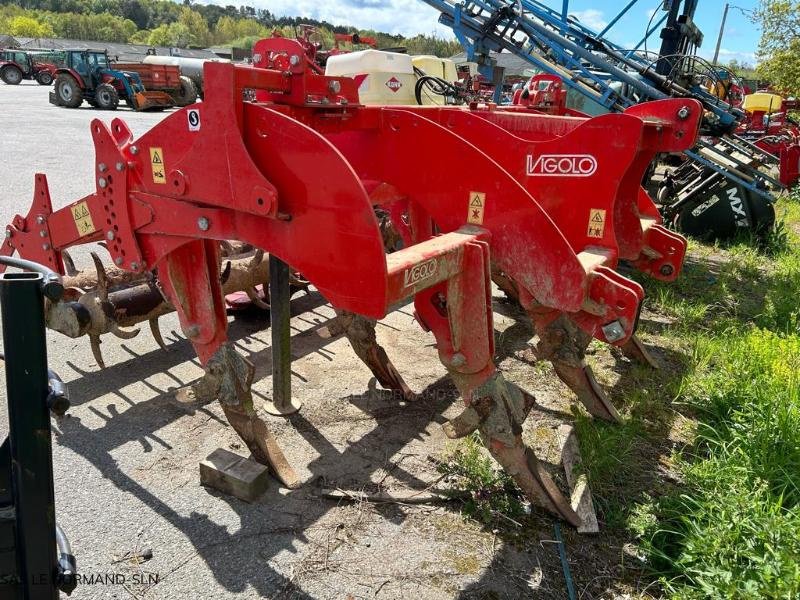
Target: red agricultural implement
551, 204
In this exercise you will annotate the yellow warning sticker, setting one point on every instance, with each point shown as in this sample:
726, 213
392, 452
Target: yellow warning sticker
477, 204
82, 218
157, 162
597, 223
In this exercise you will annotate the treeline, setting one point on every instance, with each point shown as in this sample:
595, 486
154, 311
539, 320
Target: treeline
166, 23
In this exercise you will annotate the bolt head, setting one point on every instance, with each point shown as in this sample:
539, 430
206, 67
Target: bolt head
102, 182
120, 166
45, 247
614, 331
667, 270
458, 360
9, 233
294, 60
43, 233
683, 113
118, 261
40, 220
134, 266
110, 236
203, 224
134, 150
335, 86
102, 167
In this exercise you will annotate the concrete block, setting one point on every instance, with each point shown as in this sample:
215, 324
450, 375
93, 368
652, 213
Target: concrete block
233, 474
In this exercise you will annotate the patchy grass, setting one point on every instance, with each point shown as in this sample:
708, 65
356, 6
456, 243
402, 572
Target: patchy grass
729, 529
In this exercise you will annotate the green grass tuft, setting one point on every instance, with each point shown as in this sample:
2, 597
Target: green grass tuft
731, 531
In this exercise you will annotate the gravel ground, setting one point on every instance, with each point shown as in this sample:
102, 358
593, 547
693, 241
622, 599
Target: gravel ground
126, 456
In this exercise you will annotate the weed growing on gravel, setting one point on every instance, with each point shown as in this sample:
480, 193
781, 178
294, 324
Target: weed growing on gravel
492, 494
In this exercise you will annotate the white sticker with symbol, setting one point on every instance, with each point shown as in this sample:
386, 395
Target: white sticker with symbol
193, 116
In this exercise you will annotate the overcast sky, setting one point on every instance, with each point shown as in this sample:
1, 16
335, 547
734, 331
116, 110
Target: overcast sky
409, 17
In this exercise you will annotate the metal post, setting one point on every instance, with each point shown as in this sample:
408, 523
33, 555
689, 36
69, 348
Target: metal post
282, 402
29, 432
721, 31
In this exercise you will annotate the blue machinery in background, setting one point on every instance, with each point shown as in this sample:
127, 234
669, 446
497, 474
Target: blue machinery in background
615, 78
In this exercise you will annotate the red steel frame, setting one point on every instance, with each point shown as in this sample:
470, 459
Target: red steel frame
298, 174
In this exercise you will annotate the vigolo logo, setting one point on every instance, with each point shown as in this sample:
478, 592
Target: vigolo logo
420, 272
561, 165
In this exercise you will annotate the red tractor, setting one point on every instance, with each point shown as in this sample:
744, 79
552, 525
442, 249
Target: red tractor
16, 65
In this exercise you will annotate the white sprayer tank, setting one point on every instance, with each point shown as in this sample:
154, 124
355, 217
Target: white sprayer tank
383, 77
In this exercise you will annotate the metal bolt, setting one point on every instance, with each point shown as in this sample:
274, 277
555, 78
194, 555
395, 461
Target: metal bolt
134, 266
45, 247
120, 166
102, 167
9, 233
458, 360
666, 270
294, 60
110, 236
118, 261
335, 86
203, 224
40, 220
134, 150
683, 113
614, 331
42, 233
102, 182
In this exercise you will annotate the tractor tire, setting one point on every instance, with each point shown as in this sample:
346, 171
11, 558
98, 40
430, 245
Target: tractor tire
187, 94
106, 97
11, 75
44, 78
68, 92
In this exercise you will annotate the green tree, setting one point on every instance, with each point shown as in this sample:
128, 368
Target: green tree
172, 35
197, 26
24, 26
779, 48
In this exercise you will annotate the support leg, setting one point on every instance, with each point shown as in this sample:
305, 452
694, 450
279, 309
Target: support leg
280, 297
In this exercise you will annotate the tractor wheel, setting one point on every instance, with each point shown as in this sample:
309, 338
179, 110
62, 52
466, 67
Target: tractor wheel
11, 75
106, 97
187, 94
68, 91
44, 78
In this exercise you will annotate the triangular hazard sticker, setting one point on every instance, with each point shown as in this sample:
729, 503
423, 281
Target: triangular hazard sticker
156, 159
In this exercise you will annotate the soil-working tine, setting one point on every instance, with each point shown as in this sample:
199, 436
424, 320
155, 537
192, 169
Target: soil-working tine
636, 351
155, 330
102, 278
123, 334
94, 341
360, 332
581, 380
69, 264
226, 272
254, 298
564, 345
503, 409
